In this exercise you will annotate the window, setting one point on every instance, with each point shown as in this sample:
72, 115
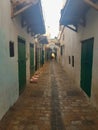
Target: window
11, 48
72, 61
62, 50
69, 60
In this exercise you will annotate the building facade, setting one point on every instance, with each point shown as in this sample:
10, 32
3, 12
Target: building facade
16, 44
79, 47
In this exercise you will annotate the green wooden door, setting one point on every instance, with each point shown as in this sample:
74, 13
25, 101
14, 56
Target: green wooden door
43, 60
37, 58
45, 54
21, 64
40, 57
32, 68
86, 65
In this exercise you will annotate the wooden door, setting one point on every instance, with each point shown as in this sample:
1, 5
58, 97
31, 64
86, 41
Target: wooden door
32, 68
86, 65
21, 63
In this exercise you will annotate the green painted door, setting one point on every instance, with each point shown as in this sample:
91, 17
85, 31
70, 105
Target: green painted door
43, 60
21, 64
45, 54
32, 68
37, 58
40, 57
86, 65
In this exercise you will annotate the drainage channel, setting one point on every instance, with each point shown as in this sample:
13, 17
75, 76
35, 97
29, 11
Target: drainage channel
56, 118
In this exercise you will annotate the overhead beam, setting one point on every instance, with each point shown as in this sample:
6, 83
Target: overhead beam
92, 4
20, 11
18, 2
72, 28
27, 4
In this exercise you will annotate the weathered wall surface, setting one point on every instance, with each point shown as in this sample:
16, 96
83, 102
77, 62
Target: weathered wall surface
92, 31
72, 47
9, 31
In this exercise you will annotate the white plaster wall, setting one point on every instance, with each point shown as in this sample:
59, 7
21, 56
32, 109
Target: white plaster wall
9, 31
91, 30
73, 47
58, 54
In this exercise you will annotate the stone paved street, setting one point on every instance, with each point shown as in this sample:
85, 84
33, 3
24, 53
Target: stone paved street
53, 103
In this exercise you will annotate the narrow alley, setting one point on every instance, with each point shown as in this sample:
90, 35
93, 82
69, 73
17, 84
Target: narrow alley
53, 103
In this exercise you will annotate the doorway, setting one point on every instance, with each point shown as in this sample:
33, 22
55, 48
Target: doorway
32, 68
21, 63
86, 65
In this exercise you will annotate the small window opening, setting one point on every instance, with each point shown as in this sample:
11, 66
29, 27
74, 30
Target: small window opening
69, 60
62, 50
72, 61
11, 48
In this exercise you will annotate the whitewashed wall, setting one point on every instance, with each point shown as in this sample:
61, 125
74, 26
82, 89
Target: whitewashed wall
9, 31
91, 30
72, 46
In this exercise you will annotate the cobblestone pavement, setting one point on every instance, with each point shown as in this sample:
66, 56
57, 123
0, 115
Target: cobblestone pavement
54, 103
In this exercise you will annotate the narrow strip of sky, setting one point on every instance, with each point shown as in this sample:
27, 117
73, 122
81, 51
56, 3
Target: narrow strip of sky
51, 11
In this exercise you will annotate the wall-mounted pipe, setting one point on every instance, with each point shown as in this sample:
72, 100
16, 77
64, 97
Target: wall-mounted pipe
92, 4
